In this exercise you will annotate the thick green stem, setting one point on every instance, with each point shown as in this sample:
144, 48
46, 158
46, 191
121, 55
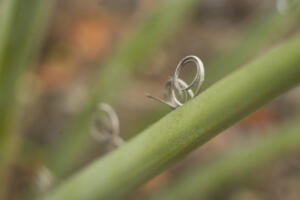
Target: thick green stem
130, 57
186, 128
204, 180
22, 26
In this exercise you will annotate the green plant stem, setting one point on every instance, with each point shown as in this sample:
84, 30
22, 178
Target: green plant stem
204, 180
262, 31
22, 26
123, 64
186, 128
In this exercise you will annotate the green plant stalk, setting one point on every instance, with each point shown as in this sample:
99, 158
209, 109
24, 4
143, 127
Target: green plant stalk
22, 26
123, 64
186, 128
262, 31
204, 180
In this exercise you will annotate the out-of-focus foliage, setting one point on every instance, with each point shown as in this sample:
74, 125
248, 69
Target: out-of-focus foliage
115, 51
22, 26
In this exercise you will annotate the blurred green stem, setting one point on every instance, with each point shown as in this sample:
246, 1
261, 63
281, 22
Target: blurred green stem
22, 24
186, 128
204, 180
123, 64
261, 32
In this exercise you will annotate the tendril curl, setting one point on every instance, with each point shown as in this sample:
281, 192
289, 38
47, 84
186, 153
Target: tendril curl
178, 92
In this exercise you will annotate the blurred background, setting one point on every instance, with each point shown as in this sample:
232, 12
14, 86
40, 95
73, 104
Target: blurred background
83, 36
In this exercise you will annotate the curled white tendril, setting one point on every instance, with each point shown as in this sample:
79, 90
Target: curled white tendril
178, 91
111, 121
44, 179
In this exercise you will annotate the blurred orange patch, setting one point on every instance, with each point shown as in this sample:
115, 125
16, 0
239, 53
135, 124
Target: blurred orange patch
56, 73
156, 182
265, 115
92, 36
